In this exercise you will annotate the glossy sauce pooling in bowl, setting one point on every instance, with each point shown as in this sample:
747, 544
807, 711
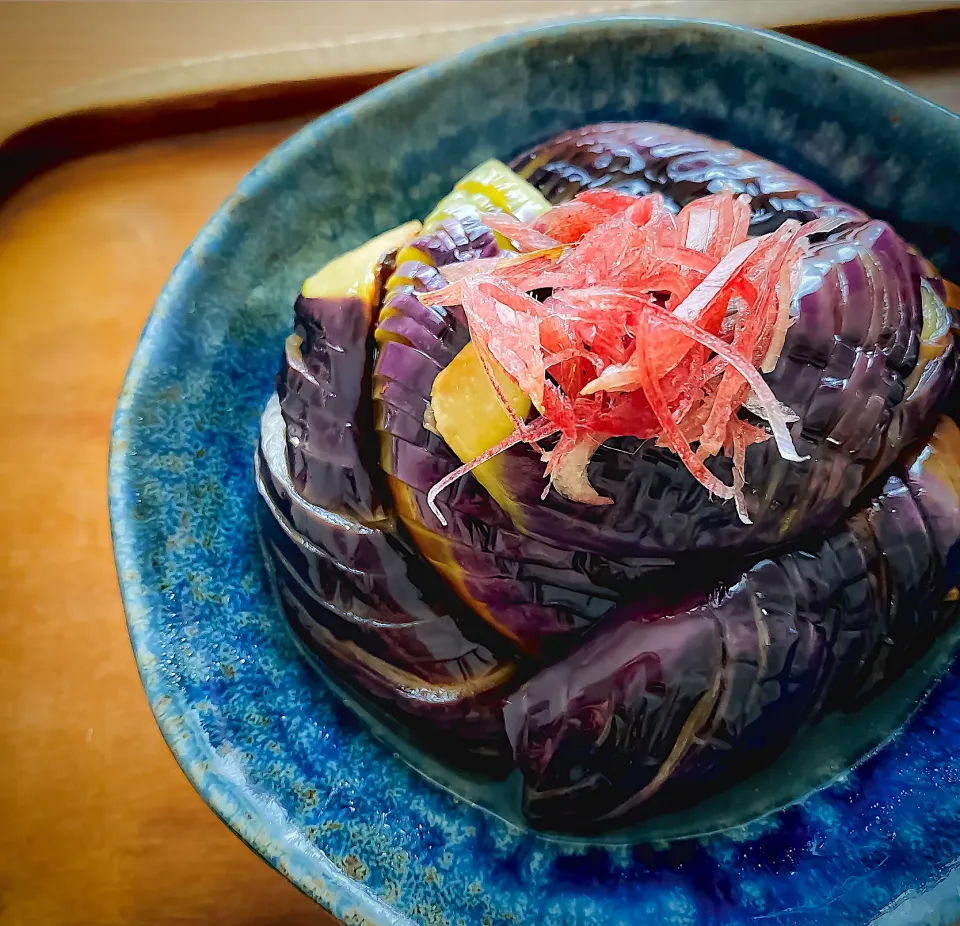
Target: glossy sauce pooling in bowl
636, 656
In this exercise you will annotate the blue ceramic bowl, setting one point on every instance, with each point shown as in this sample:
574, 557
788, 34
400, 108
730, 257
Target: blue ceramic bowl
265, 744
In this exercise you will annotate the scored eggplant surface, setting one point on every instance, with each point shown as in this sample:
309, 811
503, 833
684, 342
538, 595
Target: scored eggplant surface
528, 589
353, 586
565, 638
852, 365
662, 709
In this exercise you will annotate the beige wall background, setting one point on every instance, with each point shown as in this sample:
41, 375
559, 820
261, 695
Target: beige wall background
61, 56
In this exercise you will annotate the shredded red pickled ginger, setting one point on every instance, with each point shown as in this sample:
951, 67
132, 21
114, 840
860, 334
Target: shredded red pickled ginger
656, 325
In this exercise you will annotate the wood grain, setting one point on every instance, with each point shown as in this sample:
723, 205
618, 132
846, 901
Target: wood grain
97, 823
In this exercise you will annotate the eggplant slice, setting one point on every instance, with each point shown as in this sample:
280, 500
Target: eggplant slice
530, 590
352, 585
658, 708
362, 600
649, 157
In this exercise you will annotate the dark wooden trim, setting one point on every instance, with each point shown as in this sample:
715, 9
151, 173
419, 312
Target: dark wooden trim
862, 39
43, 146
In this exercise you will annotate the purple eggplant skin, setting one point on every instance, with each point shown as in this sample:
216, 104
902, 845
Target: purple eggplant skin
844, 369
456, 718
532, 592
371, 577
660, 707
324, 394
362, 600
648, 157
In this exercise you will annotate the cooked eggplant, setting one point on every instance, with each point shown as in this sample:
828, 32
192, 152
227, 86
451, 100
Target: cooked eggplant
845, 373
324, 380
484, 514
529, 590
648, 157
657, 707
352, 585
859, 365
362, 600
368, 577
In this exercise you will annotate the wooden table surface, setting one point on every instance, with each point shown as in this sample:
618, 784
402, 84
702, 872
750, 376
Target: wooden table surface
97, 824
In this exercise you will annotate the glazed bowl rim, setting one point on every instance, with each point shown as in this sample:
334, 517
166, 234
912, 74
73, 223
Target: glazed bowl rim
255, 816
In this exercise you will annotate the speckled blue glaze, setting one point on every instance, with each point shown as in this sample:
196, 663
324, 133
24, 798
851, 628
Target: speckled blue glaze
260, 738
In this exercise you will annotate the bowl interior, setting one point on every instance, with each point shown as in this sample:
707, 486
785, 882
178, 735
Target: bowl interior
268, 747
